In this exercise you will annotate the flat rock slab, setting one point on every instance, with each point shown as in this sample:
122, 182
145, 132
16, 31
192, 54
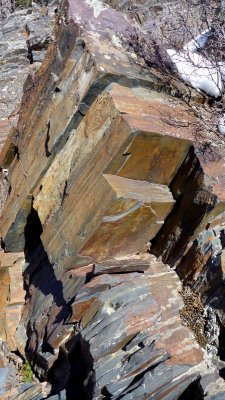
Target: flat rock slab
128, 324
3, 378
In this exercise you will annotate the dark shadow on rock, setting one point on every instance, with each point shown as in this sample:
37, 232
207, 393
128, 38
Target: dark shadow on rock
193, 392
222, 373
43, 289
32, 232
47, 152
73, 371
222, 238
46, 310
193, 202
221, 347
82, 377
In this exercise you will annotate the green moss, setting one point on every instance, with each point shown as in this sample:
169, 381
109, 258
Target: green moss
26, 372
23, 3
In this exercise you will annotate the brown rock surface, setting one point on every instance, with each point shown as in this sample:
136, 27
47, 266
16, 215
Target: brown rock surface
12, 296
111, 315
99, 164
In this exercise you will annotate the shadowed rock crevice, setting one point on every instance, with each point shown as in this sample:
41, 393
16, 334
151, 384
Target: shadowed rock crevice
82, 377
47, 152
50, 304
32, 232
221, 348
193, 202
193, 392
72, 372
44, 297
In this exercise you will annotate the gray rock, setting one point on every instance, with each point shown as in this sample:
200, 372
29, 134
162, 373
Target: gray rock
24, 387
4, 372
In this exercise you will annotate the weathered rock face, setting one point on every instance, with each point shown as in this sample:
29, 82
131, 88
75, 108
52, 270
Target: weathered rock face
13, 297
116, 323
163, 19
102, 169
21, 54
6, 8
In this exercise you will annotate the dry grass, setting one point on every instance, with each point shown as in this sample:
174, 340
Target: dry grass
192, 315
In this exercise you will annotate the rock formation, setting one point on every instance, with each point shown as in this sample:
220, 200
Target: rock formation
112, 214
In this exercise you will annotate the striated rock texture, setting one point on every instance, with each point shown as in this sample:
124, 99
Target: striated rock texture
102, 172
6, 8
21, 54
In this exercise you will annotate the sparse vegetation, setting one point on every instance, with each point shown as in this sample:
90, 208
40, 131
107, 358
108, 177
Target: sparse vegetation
192, 315
26, 372
23, 3
175, 29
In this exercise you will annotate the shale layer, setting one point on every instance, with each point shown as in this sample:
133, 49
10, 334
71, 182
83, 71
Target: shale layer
109, 204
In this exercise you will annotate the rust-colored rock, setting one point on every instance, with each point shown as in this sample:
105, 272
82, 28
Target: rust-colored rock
102, 169
12, 296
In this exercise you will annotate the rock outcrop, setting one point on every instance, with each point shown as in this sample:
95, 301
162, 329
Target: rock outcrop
21, 54
109, 203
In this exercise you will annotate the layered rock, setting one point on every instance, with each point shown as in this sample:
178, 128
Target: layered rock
120, 326
112, 331
12, 296
102, 170
24, 37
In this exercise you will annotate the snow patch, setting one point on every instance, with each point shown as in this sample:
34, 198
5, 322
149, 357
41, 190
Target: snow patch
198, 71
221, 125
198, 42
97, 6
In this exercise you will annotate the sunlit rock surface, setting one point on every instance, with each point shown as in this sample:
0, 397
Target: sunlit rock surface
102, 172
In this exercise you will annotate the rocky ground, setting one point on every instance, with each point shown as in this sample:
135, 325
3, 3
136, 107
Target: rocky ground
112, 213
24, 37
17, 45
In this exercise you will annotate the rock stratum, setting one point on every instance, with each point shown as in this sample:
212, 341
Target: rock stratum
112, 214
